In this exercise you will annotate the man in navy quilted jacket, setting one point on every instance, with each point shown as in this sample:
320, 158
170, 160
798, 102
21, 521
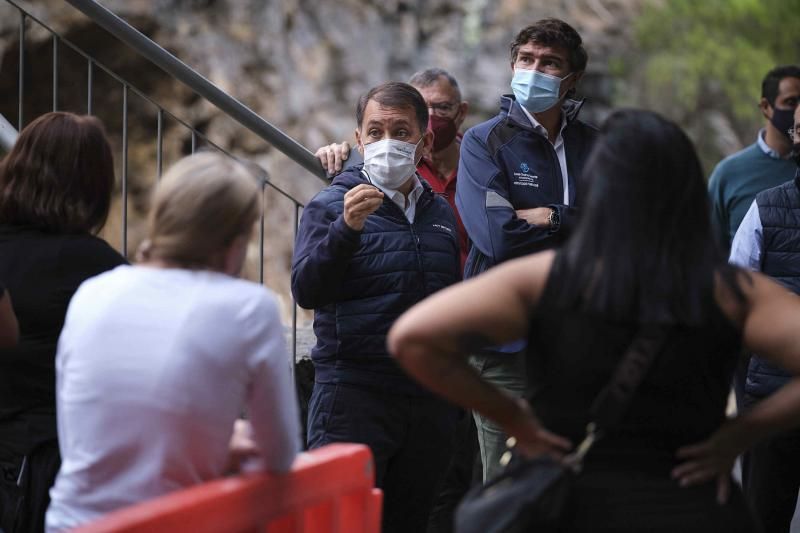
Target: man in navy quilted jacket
371, 245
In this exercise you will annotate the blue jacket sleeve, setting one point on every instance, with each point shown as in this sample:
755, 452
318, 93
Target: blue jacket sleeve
483, 199
322, 252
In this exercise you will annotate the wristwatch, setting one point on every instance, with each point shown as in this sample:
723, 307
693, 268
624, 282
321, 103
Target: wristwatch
554, 220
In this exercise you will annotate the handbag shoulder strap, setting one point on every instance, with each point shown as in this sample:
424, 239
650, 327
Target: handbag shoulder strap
613, 400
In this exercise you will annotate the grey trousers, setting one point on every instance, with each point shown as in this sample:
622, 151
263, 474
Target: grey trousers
507, 372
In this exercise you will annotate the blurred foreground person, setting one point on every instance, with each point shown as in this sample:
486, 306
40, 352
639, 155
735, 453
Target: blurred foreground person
666, 466
55, 193
157, 361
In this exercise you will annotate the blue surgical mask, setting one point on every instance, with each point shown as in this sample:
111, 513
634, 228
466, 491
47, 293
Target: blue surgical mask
535, 90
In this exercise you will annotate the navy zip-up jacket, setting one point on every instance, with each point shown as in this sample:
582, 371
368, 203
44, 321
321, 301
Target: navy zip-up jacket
506, 165
359, 282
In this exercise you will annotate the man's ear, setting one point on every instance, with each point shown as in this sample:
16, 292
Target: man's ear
427, 143
359, 144
765, 108
463, 107
574, 79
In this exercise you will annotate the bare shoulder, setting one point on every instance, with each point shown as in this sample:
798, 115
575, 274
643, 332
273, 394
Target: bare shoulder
528, 274
753, 288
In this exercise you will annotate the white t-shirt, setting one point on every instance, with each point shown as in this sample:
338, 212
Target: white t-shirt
153, 368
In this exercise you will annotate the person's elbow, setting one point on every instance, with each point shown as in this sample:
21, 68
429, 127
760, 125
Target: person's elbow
305, 293
406, 343
281, 464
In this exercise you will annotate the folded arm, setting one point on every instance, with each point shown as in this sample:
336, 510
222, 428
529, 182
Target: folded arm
493, 223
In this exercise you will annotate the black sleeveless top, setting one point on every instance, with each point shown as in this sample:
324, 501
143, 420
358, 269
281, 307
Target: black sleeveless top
626, 484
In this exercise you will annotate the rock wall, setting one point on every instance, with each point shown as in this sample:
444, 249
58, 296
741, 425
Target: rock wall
300, 64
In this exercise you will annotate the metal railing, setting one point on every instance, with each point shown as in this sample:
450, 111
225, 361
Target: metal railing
8, 135
159, 57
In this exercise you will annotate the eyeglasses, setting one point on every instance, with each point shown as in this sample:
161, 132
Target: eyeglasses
443, 108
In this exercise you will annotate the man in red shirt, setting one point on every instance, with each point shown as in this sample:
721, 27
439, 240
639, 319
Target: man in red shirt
447, 111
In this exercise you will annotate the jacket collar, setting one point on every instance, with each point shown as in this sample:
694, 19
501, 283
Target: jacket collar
513, 112
352, 176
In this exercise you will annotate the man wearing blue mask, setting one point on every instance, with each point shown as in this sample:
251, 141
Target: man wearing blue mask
369, 246
517, 182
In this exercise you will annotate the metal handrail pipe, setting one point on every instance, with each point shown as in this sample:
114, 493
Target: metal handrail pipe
8, 134
199, 84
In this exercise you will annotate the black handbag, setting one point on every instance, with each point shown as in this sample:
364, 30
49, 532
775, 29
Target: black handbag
531, 494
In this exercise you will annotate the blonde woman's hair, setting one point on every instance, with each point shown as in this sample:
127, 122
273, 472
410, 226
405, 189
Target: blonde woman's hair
199, 207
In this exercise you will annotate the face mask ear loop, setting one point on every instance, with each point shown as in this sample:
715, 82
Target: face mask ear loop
418, 161
562, 97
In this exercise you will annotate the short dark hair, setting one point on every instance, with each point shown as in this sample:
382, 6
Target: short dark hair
652, 262
771, 83
429, 76
395, 94
553, 32
58, 176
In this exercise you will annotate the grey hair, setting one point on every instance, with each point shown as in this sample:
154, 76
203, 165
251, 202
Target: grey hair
429, 76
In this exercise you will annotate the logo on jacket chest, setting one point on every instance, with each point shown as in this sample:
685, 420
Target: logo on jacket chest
443, 227
524, 178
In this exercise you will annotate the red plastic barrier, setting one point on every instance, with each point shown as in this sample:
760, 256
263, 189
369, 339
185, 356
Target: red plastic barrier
328, 490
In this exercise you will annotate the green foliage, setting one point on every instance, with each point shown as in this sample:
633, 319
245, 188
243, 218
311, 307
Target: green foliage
698, 56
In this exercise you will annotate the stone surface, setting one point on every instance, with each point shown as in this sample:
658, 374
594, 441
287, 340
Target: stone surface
299, 64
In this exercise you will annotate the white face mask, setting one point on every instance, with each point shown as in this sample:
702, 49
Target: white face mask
389, 163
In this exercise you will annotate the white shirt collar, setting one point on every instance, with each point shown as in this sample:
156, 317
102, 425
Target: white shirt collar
541, 129
558, 146
765, 147
399, 198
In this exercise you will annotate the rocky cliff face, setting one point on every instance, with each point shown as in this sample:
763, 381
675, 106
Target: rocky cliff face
300, 64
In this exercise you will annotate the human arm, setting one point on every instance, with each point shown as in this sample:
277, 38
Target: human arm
9, 329
327, 238
431, 342
272, 402
484, 201
769, 319
749, 241
242, 447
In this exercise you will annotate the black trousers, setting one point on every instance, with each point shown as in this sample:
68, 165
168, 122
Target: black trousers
411, 439
465, 470
772, 479
25, 489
